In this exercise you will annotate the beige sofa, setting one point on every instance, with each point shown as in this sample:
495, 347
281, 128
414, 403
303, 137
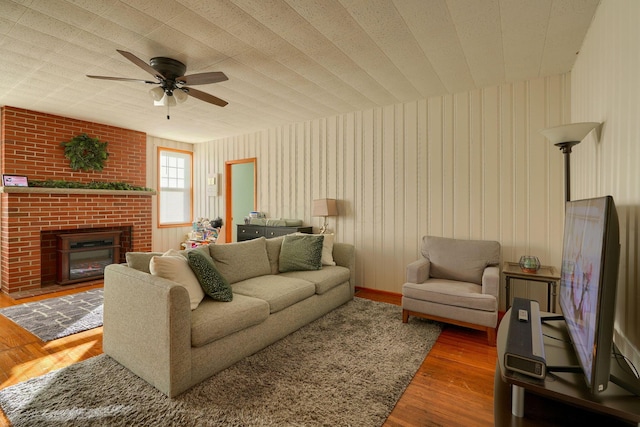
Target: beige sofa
150, 328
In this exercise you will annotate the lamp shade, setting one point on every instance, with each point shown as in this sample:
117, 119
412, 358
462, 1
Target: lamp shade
180, 96
572, 132
156, 93
564, 137
325, 207
168, 100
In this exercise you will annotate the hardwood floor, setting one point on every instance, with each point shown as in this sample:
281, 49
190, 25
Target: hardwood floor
453, 387
24, 356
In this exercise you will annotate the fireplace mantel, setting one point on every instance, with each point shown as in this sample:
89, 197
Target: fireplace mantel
47, 190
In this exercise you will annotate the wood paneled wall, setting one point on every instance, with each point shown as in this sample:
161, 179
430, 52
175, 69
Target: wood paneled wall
470, 165
606, 89
171, 237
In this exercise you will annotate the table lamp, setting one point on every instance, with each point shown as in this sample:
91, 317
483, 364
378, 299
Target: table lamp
325, 208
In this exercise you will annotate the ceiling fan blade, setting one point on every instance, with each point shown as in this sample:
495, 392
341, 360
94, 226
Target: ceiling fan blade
140, 63
202, 96
122, 79
203, 78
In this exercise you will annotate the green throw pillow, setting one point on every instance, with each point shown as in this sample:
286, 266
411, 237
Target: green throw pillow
301, 252
212, 282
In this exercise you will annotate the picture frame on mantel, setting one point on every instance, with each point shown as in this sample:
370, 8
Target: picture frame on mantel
14, 181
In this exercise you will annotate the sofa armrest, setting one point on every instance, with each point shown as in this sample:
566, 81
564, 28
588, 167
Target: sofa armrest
491, 281
418, 271
344, 254
147, 327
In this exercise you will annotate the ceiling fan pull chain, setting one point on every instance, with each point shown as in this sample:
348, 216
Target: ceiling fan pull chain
168, 107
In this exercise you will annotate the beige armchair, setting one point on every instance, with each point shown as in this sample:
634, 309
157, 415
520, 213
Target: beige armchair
455, 281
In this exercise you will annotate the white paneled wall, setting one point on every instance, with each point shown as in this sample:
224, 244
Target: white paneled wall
470, 165
606, 89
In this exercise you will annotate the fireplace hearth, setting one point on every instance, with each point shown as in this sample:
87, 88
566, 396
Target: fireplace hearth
84, 256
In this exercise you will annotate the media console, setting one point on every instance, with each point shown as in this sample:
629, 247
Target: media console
562, 396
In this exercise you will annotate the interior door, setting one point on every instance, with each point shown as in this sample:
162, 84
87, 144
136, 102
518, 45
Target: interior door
240, 194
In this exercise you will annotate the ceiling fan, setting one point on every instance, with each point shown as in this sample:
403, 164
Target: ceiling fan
169, 74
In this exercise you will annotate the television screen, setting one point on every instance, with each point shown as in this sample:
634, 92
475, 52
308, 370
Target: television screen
588, 283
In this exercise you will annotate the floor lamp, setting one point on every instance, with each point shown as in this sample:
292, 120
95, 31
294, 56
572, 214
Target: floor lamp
564, 137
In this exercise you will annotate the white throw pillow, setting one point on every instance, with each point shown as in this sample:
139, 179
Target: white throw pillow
174, 252
327, 249
173, 266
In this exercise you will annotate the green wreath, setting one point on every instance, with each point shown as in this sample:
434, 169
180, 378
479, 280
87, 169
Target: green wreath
85, 153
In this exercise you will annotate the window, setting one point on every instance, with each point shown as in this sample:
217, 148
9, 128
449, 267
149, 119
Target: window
175, 181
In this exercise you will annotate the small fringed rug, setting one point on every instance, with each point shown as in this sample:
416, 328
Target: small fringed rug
54, 318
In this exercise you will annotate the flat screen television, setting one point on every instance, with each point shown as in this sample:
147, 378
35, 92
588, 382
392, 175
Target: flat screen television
588, 284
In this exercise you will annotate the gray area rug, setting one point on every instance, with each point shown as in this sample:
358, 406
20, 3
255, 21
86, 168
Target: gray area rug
348, 368
54, 318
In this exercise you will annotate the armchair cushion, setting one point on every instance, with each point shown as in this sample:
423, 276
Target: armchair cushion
451, 293
461, 260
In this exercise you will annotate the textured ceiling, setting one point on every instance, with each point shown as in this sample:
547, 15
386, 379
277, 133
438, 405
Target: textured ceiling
287, 60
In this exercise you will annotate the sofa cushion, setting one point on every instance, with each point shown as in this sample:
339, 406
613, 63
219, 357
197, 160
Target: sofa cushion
327, 278
215, 319
212, 282
241, 260
280, 292
175, 267
327, 247
452, 293
457, 259
273, 252
301, 252
140, 260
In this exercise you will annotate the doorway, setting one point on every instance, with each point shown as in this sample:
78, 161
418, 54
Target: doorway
240, 193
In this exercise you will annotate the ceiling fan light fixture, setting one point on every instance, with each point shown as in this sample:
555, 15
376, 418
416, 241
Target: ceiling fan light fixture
169, 100
156, 93
180, 96
166, 101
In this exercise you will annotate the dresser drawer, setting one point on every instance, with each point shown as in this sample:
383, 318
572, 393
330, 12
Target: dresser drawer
248, 232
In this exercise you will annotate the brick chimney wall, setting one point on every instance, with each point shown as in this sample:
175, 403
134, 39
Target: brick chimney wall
30, 145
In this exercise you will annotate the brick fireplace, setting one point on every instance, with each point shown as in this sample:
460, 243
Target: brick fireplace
30, 145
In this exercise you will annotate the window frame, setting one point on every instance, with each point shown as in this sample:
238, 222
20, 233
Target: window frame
188, 192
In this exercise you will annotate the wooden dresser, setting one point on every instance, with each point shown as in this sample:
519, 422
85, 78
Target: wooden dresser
248, 232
